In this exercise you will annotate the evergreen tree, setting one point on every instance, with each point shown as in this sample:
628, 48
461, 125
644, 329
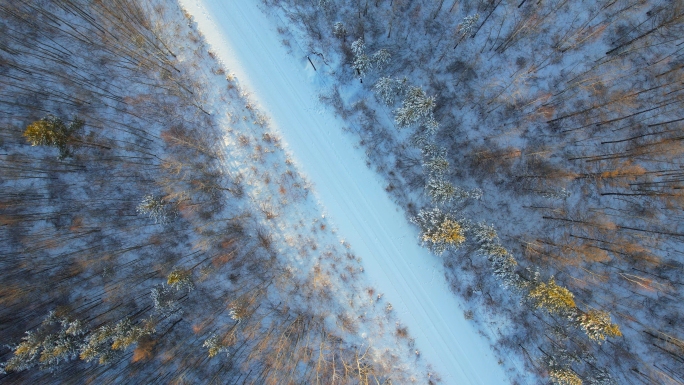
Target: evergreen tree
98, 346
381, 58
56, 340
164, 301
238, 311
25, 354
431, 125
468, 24
597, 325
125, 333
439, 230
154, 208
103, 343
52, 131
437, 165
387, 89
485, 234
362, 63
432, 151
180, 279
416, 107
503, 265
600, 376
440, 190
564, 376
214, 345
63, 345
339, 30
552, 297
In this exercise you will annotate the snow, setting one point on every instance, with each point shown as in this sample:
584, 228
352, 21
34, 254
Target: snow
355, 201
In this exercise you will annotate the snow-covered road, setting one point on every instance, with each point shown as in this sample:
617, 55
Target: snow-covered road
353, 197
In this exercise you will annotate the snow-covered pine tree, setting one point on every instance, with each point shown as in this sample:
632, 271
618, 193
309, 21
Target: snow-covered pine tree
485, 234
556, 194
600, 376
441, 190
387, 89
431, 151
214, 345
339, 31
553, 298
180, 279
125, 333
431, 125
154, 208
104, 342
52, 131
468, 24
384, 90
98, 346
381, 58
597, 325
564, 376
56, 340
164, 300
416, 107
63, 345
437, 165
25, 354
362, 63
439, 230
238, 311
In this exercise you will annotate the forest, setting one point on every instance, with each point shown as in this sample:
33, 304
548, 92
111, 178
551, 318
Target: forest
537, 147
153, 228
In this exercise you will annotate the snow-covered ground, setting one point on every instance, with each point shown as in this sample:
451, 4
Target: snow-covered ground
353, 197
